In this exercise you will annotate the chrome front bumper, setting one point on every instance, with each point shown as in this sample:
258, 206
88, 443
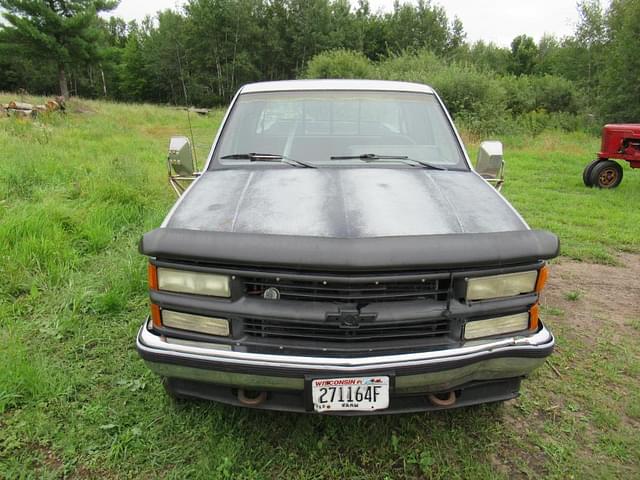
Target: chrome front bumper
432, 371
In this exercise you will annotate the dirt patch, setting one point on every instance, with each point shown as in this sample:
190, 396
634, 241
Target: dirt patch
604, 301
81, 473
50, 459
595, 296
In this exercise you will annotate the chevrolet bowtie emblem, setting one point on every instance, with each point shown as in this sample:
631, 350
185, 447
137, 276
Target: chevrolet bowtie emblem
351, 318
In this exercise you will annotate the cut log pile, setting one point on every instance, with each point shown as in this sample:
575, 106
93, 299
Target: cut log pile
28, 110
199, 111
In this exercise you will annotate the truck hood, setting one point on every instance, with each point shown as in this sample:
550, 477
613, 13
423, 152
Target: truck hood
343, 203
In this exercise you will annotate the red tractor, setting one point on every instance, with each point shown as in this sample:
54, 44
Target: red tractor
620, 141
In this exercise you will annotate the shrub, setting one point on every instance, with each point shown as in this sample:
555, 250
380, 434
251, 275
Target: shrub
537, 121
519, 94
410, 67
482, 102
339, 64
555, 94
474, 98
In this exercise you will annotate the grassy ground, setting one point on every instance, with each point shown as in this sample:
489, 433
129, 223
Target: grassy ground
76, 193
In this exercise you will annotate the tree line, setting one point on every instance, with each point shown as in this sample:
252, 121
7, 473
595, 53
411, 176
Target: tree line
201, 53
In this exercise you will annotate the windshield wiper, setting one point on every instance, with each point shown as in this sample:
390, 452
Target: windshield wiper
267, 157
372, 156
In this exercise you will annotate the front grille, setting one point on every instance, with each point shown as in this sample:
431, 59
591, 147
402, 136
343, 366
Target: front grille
340, 335
335, 331
351, 292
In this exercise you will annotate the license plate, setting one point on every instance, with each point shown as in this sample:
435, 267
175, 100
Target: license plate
353, 393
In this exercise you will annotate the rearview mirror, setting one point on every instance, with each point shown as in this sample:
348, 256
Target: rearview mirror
490, 164
180, 163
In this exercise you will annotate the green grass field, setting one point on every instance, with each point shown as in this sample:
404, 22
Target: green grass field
76, 193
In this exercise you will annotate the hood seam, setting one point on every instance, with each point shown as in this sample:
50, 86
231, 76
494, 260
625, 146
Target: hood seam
454, 210
240, 201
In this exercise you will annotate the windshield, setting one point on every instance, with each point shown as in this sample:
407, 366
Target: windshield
329, 128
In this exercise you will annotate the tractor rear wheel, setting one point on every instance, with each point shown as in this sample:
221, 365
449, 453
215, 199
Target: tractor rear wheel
586, 173
606, 174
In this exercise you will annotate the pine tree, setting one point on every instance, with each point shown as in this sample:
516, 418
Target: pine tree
63, 31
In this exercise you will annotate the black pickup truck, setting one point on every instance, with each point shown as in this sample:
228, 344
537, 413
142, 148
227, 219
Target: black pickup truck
339, 254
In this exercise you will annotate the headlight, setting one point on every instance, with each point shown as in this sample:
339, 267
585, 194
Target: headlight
196, 323
184, 281
497, 286
496, 326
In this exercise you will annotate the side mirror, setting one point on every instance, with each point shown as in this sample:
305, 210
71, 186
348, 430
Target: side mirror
181, 156
490, 164
180, 163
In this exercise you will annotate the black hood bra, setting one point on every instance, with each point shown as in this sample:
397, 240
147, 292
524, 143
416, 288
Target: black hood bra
447, 251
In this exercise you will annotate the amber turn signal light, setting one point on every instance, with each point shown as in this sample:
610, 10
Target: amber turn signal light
153, 276
543, 276
534, 316
156, 317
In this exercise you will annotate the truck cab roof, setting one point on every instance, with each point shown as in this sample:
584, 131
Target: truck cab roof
373, 85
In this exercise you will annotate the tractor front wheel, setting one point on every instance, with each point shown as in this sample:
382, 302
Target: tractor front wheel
606, 174
586, 173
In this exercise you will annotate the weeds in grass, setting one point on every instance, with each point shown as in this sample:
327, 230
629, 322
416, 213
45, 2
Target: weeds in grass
556, 312
635, 323
573, 295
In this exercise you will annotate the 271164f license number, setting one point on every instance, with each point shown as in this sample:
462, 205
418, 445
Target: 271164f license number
353, 393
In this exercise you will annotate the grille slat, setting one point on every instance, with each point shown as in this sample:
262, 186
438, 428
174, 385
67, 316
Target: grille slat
319, 287
355, 297
339, 333
335, 333
361, 292
347, 288
333, 326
